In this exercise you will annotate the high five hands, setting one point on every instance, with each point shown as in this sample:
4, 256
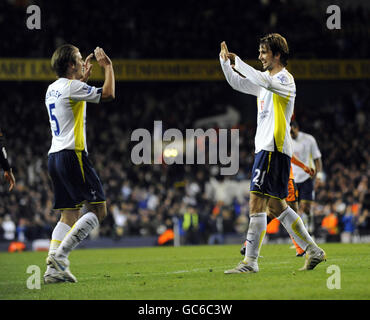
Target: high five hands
225, 55
102, 59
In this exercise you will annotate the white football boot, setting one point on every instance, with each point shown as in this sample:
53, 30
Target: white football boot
243, 267
313, 259
62, 265
52, 275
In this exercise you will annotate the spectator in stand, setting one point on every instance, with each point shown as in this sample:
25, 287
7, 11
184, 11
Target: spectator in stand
349, 225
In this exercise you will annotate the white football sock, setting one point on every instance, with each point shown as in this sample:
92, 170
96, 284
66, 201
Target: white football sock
59, 232
79, 231
295, 227
256, 233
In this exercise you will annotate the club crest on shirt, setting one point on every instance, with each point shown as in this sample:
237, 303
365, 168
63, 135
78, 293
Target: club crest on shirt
282, 78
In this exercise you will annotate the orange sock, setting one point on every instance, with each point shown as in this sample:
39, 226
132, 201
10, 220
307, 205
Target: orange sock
298, 249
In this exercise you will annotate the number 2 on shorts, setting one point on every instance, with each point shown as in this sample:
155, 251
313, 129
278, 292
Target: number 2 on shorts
256, 179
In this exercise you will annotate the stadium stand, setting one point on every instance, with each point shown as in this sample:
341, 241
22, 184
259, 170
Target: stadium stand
142, 200
195, 28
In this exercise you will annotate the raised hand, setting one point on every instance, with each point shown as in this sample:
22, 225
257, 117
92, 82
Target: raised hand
224, 51
102, 59
231, 56
225, 54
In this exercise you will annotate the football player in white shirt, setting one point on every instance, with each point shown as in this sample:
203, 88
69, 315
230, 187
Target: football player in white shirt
306, 148
75, 182
275, 91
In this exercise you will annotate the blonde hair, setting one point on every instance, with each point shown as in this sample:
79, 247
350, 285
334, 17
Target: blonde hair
62, 57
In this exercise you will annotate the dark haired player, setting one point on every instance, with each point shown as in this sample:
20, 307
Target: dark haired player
275, 91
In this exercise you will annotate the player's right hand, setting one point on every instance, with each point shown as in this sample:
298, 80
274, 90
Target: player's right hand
224, 52
102, 59
310, 171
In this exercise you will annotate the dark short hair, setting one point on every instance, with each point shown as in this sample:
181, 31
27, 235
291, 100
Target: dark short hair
62, 57
277, 44
294, 124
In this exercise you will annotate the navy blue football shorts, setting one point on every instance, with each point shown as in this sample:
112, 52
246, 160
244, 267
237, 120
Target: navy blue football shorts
74, 180
306, 190
270, 174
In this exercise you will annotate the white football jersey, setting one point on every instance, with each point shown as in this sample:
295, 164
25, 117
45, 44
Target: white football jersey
306, 149
65, 101
275, 102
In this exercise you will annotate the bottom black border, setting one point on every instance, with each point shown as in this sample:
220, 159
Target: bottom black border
185, 309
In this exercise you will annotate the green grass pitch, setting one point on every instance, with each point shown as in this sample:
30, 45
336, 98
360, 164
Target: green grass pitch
191, 273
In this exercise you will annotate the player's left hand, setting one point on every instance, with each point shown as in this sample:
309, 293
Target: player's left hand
9, 176
232, 57
87, 67
101, 57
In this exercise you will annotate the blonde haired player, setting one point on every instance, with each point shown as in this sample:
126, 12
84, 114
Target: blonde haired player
75, 182
275, 91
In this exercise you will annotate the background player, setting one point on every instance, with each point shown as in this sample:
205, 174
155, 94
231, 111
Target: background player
8, 172
275, 91
293, 194
74, 179
306, 148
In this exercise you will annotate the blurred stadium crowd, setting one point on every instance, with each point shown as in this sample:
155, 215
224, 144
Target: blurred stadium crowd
187, 29
142, 200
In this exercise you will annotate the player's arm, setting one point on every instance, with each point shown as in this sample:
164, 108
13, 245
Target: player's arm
80, 91
300, 164
316, 156
236, 80
108, 89
285, 87
318, 166
8, 173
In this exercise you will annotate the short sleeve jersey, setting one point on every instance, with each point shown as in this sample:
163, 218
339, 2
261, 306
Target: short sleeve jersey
65, 101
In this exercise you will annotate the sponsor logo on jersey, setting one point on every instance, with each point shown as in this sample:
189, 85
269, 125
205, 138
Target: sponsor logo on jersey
87, 88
